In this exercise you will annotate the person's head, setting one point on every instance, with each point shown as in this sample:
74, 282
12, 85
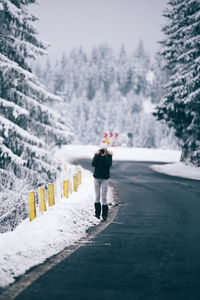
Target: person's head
103, 144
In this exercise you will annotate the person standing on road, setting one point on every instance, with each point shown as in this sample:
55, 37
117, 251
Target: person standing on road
102, 162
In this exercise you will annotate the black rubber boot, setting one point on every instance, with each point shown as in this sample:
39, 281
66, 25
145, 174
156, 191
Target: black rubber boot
104, 211
97, 210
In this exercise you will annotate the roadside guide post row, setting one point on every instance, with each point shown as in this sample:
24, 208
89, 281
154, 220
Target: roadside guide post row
51, 197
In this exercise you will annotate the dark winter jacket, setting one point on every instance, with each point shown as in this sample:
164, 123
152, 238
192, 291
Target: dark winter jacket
102, 165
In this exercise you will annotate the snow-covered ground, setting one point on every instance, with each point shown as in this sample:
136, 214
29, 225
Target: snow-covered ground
73, 152
63, 224
172, 167
66, 222
178, 169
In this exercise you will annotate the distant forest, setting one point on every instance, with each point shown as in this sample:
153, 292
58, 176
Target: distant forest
104, 92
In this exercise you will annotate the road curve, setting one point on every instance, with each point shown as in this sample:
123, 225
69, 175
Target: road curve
151, 251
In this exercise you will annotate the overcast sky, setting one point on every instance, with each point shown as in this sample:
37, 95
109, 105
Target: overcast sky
73, 23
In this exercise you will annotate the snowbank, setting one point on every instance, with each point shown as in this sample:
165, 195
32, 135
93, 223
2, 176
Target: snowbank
73, 152
178, 169
63, 224
171, 157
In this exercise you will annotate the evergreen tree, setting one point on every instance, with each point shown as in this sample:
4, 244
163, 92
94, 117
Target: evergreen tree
141, 65
48, 76
96, 119
181, 50
28, 128
121, 85
124, 72
159, 80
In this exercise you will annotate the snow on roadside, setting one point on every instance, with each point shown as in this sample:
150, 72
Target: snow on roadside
63, 224
178, 169
73, 152
171, 157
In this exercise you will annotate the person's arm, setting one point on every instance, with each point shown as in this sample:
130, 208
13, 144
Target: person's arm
108, 160
96, 159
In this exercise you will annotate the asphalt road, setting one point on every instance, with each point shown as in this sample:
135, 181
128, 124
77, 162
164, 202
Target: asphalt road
150, 251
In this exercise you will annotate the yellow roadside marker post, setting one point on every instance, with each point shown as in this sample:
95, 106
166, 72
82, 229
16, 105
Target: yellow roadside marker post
66, 188
70, 186
32, 211
51, 194
75, 182
42, 203
79, 176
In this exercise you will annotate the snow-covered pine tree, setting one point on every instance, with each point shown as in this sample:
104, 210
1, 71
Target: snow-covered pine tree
107, 70
124, 74
181, 50
140, 62
121, 84
159, 79
96, 119
29, 128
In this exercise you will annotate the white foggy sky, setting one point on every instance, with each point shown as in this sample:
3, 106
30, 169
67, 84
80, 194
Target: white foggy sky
72, 23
